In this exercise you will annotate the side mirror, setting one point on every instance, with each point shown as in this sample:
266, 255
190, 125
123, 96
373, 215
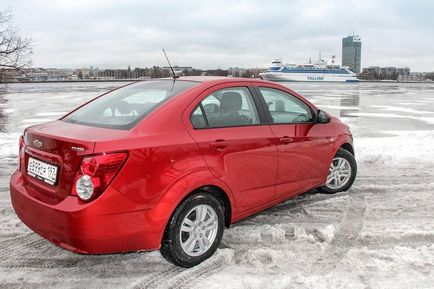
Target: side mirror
322, 117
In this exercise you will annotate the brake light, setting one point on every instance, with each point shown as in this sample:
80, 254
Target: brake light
95, 174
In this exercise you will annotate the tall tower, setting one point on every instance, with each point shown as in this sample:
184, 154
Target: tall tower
352, 52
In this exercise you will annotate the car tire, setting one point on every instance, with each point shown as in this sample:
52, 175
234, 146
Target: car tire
337, 179
199, 219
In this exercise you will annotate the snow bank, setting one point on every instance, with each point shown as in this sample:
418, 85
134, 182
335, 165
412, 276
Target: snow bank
9, 148
405, 147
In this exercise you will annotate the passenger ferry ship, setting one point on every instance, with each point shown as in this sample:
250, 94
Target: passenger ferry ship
318, 71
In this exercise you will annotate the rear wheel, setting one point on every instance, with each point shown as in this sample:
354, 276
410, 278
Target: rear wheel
342, 172
194, 231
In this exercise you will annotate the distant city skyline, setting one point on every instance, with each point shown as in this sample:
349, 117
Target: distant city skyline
210, 34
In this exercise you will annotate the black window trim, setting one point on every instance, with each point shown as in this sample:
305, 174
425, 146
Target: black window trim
269, 119
202, 110
256, 102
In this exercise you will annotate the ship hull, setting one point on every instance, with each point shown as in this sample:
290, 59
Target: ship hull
311, 77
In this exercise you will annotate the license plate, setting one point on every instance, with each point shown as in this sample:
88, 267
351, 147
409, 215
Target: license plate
42, 171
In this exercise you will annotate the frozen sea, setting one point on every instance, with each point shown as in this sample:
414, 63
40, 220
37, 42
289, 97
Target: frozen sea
379, 234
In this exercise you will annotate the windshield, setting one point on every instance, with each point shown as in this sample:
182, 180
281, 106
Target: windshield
125, 107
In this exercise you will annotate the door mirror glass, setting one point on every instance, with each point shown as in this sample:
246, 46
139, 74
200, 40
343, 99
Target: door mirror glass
322, 117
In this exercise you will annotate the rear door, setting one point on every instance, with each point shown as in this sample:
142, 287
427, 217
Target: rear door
238, 149
303, 145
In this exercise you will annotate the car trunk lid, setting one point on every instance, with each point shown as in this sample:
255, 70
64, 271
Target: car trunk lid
62, 145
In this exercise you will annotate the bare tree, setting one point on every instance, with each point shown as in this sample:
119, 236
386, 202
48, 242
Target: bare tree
14, 50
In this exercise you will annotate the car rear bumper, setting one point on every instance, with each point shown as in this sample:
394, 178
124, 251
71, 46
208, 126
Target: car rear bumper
110, 224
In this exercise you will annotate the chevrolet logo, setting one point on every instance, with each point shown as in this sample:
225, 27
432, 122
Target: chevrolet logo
37, 143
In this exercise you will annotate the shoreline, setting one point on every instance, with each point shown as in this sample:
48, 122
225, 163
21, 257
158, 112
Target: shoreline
136, 79
73, 81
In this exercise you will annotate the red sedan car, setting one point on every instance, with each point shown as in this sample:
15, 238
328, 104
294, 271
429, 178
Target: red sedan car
167, 164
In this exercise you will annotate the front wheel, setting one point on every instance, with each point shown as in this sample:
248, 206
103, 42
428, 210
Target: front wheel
194, 231
342, 172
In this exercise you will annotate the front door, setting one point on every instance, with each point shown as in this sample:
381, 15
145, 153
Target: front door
303, 145
237, 148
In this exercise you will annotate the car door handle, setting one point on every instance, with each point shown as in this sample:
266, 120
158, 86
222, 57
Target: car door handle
219, 144
286, 140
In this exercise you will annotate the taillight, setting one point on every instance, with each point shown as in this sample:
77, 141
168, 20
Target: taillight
96, 173
20, 151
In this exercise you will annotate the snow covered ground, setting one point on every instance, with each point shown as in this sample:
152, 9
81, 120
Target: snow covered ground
379, 234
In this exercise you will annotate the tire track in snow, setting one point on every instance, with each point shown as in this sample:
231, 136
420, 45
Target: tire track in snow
20, 243
157, 278
416, 178
193, 275
32, 251
300, 204
6, 211
182, 278
417, 190
413, 240
348, 232
403, 179
301, 201
37, 262
345, 236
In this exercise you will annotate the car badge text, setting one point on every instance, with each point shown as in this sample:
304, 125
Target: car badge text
77, 149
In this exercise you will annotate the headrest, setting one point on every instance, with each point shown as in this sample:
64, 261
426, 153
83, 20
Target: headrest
231, 101
123, 107
279, 106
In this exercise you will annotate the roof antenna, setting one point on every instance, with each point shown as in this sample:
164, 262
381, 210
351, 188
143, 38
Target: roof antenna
170, 65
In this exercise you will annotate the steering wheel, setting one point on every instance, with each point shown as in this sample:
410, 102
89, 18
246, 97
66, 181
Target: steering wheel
297, 118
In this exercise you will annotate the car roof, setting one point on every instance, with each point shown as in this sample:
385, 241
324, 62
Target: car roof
215, 79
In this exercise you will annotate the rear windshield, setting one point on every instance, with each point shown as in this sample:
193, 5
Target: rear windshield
126, 106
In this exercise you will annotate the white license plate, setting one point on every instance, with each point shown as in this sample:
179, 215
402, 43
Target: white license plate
42, 171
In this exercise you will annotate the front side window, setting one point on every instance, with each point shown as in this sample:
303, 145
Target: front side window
126, 106
226, 107
285, 108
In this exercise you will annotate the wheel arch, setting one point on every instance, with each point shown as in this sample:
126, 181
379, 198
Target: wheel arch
348, 147
345, 142
221, 196
202, 181
216, 191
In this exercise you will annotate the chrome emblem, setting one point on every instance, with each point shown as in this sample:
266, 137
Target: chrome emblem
37, 143
77, 149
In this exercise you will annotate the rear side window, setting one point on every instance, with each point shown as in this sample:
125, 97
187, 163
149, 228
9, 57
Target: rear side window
126, 106
226, 107
284, 107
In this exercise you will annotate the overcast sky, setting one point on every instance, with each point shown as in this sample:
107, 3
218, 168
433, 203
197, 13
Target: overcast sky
212, 34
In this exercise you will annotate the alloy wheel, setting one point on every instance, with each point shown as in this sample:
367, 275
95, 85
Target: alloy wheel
198, 230
339, 173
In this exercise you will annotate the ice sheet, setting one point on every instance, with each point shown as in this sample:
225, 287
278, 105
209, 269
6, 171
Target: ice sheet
379, 234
